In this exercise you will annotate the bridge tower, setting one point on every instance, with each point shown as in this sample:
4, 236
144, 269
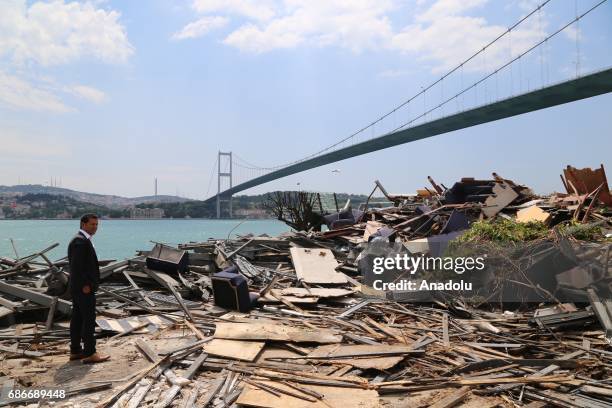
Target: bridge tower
228, 175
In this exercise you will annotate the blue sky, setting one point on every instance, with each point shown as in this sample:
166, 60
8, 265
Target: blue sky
107, 95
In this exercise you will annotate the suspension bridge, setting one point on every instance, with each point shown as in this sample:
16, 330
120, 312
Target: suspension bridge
506, 89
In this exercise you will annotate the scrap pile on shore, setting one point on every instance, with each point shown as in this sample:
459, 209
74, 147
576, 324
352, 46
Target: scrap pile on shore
292, 321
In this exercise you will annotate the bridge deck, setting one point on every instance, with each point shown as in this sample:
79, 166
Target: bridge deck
580, 88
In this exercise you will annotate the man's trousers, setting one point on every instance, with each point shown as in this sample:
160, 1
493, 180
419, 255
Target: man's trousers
83, 324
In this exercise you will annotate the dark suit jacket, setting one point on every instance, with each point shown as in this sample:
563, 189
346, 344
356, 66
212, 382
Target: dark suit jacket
84, 267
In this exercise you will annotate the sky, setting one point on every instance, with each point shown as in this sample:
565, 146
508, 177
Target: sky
104, 96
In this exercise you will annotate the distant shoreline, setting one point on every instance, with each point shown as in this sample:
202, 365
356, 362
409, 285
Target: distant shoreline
140, 219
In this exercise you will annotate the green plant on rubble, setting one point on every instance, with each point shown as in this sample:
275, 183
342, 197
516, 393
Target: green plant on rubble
504, 231
582, 232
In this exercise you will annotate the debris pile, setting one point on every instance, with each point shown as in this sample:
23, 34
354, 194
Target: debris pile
291, 321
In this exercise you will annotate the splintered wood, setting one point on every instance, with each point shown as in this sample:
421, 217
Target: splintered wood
379, 357
319, 336
334, 397
271, 331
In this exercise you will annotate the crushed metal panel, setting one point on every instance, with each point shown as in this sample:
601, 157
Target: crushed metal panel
316, 265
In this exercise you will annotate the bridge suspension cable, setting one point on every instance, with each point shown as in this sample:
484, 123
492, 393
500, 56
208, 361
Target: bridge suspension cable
488, 95
517, 58
423, 90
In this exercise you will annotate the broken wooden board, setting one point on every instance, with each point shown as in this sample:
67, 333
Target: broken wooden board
316, 292
286, 359
128, 324
372, 227
272, 331
452, 399
235, 349
504, 195
364, 356
274, 297
532, 214
587, 180
316, 265
361, 356
21, 292
334, 397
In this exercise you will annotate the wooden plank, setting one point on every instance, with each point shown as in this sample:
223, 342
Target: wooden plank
334, 397
167, 398
531, 214
274, 296
316, 292
38, 298
452, 399
445, 337
360, 350
5, 311
273, 331
235, 349
161, 278
379, 357
316, 265
503, 195
371, 228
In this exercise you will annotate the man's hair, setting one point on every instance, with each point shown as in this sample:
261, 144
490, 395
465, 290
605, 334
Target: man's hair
86, 217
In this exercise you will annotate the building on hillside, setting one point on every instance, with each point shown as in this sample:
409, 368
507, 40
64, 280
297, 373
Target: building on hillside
144, 213
251, 213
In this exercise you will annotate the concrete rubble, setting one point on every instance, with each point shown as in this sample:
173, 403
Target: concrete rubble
300, 325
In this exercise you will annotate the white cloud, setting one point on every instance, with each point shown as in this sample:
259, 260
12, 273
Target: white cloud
88, 93
52, 33
446, 36
200, 27
254, 9
445, 8
47, 33
443, 32
18, 93
355, 25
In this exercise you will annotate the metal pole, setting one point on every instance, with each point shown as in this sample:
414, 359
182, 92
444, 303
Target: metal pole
219, 185
230, 183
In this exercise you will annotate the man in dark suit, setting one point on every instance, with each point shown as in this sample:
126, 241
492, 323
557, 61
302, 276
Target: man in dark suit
84, 278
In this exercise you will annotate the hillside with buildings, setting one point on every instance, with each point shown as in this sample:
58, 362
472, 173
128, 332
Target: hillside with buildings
41, 202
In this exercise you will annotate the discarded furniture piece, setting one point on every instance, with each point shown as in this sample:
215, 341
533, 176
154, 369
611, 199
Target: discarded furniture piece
343, 218
535, 330
231, 291
167, 259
